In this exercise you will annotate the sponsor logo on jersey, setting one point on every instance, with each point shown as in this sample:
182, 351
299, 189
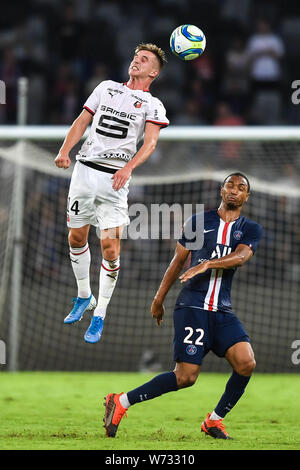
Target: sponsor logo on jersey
112, 92
121, 114
191, 349
118, 156
138, 98
217, 253
237, 234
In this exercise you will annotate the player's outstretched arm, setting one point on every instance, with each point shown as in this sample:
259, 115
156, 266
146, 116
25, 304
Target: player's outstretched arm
74, 135
237, 258
170, 276
150, 140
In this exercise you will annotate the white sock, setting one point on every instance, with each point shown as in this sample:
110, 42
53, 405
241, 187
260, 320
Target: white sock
109, 274
124, 401
214, 416
81, 260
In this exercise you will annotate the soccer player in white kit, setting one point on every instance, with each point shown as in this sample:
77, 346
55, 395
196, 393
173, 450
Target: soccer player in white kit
121, 114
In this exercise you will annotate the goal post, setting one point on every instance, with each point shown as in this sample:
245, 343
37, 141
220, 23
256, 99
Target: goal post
187, 167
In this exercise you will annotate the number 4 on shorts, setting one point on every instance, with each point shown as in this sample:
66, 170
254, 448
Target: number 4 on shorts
74, 207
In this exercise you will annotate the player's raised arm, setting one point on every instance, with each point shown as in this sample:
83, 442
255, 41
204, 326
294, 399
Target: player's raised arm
74, 135
170, 276
235, 259
150, 140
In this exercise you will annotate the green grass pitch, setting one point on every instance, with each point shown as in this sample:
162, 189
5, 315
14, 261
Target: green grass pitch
58, 410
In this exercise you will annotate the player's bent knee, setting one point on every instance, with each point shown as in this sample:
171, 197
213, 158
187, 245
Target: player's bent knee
186, 380
247, 367
253, 365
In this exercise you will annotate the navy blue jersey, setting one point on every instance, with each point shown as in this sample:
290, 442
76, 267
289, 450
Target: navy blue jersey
212, 290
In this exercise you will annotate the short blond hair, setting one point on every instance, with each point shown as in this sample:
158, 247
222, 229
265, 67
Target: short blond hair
157, 51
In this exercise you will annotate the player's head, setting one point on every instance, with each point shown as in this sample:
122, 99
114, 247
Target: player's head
147, 61
235, 190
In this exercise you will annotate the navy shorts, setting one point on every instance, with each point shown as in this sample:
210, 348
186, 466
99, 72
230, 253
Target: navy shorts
199, 331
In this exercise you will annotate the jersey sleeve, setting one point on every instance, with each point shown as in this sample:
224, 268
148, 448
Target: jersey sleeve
183, 240
93, 100
252, 236
192, 237
156, 113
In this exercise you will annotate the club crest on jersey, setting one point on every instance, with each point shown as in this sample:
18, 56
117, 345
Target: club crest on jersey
191, 349
138, 104
237, 234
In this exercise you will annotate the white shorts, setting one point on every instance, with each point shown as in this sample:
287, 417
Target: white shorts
92, 200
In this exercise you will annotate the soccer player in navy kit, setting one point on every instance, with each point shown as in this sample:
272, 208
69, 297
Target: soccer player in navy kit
203, 317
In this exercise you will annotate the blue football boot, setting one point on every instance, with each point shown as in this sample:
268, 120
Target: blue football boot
81, 305
94, 331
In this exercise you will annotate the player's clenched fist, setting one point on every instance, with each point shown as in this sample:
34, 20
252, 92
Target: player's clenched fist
62, 161
157, 311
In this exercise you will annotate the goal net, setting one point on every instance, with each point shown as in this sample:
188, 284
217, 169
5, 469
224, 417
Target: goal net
37, 282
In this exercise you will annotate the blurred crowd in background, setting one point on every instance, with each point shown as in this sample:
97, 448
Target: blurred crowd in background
66, 48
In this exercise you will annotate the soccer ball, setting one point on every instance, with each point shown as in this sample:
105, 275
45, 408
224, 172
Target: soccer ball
187, 42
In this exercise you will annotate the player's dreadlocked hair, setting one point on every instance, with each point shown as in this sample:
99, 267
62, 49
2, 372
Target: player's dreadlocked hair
160, 54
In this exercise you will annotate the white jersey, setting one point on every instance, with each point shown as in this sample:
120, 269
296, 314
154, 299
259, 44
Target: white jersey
118, 125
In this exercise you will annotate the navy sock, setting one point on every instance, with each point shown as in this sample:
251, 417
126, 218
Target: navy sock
235, 388
160, 384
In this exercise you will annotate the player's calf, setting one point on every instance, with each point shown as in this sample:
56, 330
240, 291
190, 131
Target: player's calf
78, 237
